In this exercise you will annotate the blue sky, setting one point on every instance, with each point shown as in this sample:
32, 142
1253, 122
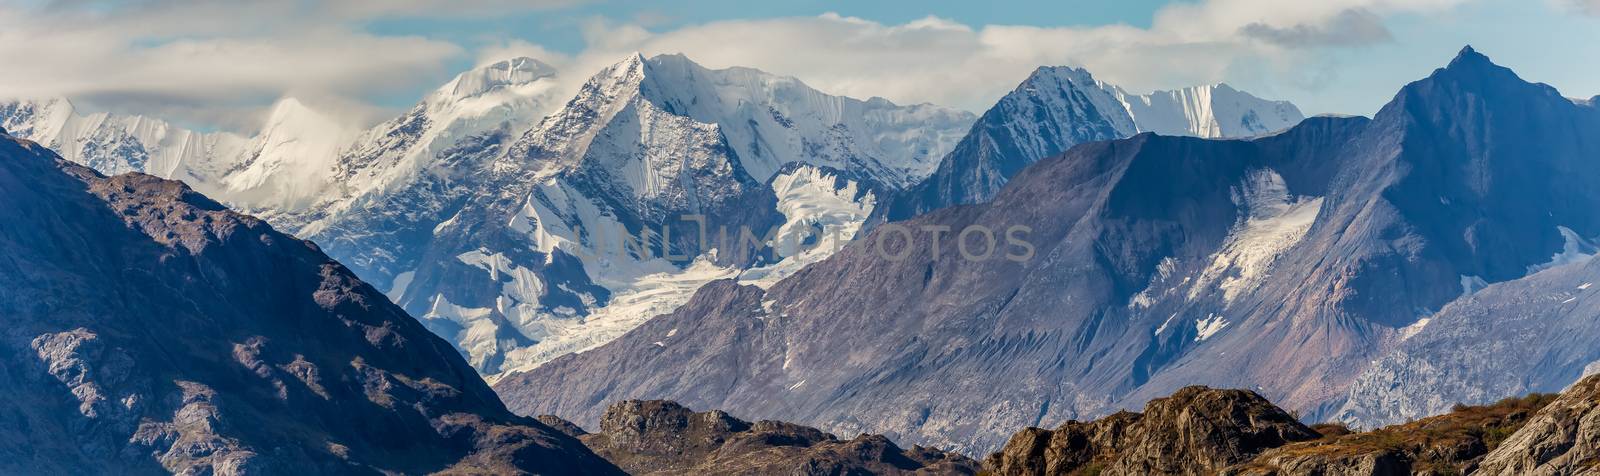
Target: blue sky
219, 64
558, 28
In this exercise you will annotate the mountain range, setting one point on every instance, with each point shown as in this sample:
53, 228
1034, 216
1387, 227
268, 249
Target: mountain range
1369, 271
1286, 263
521, 239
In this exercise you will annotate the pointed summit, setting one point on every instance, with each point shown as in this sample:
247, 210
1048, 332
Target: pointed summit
1469, 58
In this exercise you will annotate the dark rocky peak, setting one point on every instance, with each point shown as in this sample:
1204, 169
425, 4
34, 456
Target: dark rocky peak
1491, 167
1195, 431
149, 330
1472, 78
642, 424
662, 437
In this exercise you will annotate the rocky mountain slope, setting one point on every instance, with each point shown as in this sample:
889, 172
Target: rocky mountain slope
1056, 108
661, 438
150, 330
1524, 336
1148, 264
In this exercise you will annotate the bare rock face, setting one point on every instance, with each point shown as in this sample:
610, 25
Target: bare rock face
146, 329
664, 438
1195, 431
1563, 438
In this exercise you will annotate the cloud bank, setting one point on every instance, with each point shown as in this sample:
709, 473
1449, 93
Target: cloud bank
221, 62
943, 61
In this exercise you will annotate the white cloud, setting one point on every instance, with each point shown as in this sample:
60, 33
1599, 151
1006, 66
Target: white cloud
943, 61
223, 63
1586, 7
217, 62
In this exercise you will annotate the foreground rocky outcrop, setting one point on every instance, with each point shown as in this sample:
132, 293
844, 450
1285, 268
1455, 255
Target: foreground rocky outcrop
663, 438
1452, 443
146, 329
1195, 431
1563, 438
1201, 430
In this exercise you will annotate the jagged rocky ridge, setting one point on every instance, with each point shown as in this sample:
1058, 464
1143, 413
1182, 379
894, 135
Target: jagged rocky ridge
1158, 262
1195, 431
150, 330
1235, 432
661, 438
1056, 108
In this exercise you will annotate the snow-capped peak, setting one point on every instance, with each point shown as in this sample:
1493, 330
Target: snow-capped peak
1213, 110
773, 120
509, 73
290, 163
392, 158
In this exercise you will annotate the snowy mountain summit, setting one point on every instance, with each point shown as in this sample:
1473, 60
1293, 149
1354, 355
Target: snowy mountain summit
1058, 107
521, 241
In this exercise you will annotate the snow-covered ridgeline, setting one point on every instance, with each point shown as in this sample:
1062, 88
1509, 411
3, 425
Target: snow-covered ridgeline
644, 145
1211, 111
117, 143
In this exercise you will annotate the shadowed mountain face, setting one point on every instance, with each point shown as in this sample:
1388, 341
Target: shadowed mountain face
150, 330
1159, 262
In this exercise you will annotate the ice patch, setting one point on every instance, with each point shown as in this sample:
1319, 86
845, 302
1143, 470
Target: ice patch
797, 385
401, 282
1276, 221
1585, 286
1205, 328
519, 297
672, 332
636, 299
1164, 324
819, 219
1472, 284
1146, 298
1574, 249
477, 337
